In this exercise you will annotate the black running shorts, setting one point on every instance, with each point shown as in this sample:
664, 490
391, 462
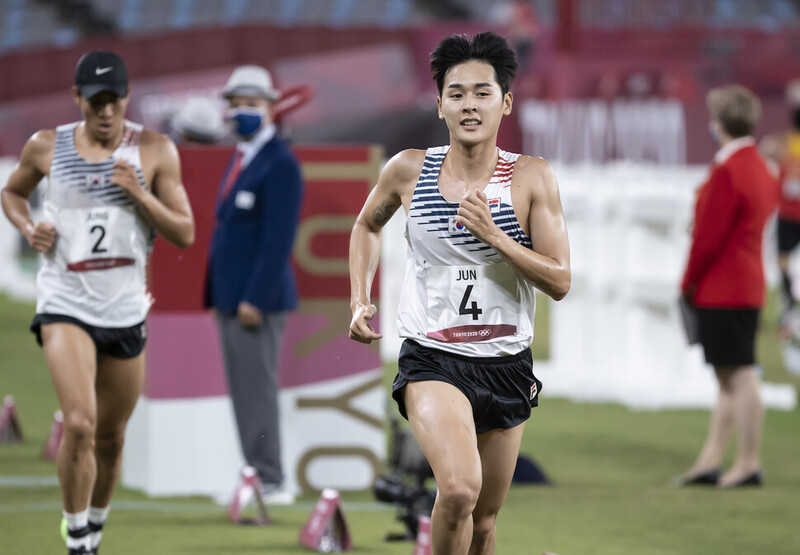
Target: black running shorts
115, 342
501, 390
788, 235
728, 335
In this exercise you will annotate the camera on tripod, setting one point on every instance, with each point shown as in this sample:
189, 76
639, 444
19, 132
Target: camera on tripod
406, 485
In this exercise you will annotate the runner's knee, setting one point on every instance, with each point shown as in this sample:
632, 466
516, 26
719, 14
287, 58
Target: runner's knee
79, 428
458, 495
483, 527
109, 445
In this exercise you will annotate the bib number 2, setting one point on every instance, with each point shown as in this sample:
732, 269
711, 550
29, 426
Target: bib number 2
97, 238
100, 232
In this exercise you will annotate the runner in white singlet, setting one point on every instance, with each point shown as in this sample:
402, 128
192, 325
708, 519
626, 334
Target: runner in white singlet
96, 271
459, 295
484, 228
109, 186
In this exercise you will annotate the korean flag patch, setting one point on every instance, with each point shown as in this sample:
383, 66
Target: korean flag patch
94, 181
455, 228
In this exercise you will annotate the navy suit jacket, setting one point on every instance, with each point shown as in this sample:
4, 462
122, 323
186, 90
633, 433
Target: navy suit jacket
255, 225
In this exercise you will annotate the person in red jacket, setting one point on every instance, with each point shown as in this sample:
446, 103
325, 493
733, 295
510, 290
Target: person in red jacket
724, 281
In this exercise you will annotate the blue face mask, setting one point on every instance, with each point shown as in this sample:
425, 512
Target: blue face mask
246, 120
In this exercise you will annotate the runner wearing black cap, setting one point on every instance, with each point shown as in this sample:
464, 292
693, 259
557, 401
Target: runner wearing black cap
111, 185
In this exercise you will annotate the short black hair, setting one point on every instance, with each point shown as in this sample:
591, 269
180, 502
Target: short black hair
486, 47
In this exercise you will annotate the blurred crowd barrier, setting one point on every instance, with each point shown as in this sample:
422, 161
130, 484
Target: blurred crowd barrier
617, 336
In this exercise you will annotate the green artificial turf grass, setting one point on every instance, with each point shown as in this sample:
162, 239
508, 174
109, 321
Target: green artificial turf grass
24, 374
610, 467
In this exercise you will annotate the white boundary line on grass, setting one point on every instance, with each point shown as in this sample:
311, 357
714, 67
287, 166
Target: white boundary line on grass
28, 482
152, 506
198, 508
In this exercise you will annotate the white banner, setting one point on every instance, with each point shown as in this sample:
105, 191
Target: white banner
331, 436
597, 131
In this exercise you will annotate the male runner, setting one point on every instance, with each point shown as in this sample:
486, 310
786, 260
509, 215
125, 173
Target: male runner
484, 228
110, 184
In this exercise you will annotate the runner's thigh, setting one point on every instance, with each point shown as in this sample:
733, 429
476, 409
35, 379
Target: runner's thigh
442, 422
72, 359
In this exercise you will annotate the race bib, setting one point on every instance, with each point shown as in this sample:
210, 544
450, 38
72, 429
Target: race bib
471, 303
791, 188
97, 238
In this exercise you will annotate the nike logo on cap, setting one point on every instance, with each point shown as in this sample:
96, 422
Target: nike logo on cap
102, 70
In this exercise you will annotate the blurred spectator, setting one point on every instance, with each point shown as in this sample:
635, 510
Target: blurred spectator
523, 31
199, 121
250, 280
609, 85
724, 282
784, 150
639, 85
678, 84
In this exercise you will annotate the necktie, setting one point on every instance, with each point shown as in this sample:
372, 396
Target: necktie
233, 173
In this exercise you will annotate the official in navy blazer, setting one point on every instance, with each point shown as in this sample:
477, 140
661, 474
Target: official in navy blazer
250, 281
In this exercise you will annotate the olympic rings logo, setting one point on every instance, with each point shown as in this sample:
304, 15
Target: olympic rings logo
484, 333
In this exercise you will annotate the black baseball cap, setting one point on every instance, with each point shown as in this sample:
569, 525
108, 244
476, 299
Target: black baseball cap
101, 70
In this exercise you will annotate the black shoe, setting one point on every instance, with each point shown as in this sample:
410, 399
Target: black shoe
756, 479
79, 551
708, 478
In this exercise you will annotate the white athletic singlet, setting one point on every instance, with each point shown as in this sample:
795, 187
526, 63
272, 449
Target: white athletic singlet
96, 270
458, 294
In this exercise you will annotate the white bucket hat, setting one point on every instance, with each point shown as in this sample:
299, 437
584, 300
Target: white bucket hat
201, 118
250, 81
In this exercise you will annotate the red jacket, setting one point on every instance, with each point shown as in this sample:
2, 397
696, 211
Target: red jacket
725, 268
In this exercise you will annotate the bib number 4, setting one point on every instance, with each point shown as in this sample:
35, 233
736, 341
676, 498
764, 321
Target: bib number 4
471, 303
473, 309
